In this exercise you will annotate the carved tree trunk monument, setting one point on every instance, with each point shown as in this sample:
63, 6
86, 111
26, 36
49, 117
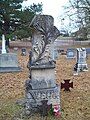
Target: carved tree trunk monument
42, 84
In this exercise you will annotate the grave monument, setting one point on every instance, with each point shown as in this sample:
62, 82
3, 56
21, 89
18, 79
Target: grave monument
71, 53
81, 64
3, 44
42, 83
8, 61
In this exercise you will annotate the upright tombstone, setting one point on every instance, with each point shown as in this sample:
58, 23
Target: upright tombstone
71, 53
56, 54
81, 64
0, 49
23, 51
8, 61
42, 83
88, 51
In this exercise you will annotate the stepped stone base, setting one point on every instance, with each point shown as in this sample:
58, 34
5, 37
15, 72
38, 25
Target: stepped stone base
35, 96
9, 69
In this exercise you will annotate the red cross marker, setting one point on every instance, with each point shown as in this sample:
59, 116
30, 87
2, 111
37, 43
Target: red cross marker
66, 85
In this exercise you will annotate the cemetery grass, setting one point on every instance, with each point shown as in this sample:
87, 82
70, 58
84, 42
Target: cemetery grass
75, 105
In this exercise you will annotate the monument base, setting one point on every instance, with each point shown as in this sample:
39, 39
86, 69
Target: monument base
9, 69
9, 63
35, 96
80, 67
42, 87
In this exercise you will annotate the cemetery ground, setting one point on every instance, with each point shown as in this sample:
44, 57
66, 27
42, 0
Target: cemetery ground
75, 105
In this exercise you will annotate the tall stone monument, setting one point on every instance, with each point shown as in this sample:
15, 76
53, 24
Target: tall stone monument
42, 83
81, 64
3, 44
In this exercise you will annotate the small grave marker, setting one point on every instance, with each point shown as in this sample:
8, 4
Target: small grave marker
70, 53
55, 54
87, 50
23, 51
66, 85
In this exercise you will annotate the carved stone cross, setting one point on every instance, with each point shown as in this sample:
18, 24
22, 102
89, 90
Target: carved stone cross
66, 85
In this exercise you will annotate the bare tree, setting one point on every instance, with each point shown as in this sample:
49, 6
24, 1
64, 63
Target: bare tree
78, 12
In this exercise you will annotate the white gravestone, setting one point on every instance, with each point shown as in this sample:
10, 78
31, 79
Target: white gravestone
8, 61
3, 44
81, 64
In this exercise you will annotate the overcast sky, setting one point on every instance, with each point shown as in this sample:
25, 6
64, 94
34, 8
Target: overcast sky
50, 7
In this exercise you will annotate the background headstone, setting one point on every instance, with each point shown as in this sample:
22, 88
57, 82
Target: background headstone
87, 50
23, 50
56, 54
71, 53
9, 63
81, 64
0, 49
3, 44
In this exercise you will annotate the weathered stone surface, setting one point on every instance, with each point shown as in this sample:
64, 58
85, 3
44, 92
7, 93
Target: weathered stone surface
44, 34
81, 64
44, 75
51, 94
88, 31
71, 53
9, 62
87, 51
42, 83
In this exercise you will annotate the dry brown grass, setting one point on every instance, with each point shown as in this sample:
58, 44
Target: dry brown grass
75, 105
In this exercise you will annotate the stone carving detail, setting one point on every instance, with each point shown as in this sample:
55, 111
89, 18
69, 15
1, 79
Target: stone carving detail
35, 96
42, 85
44, 33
